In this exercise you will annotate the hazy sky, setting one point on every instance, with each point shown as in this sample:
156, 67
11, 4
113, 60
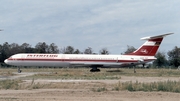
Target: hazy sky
111, 24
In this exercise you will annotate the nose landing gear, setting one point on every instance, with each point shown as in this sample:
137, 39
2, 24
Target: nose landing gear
19, 70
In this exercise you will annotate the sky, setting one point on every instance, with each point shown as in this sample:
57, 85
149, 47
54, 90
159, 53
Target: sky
111, 24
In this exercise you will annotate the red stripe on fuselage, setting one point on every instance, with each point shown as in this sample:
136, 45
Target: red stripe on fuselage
77, 60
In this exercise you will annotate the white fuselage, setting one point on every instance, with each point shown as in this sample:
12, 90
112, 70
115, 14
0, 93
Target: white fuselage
67, 60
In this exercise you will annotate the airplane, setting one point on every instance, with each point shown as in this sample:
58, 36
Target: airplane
145, 53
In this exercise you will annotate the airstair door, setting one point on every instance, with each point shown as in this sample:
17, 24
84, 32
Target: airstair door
22, 57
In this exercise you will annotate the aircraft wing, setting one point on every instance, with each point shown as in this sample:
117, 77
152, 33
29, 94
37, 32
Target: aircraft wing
91, 64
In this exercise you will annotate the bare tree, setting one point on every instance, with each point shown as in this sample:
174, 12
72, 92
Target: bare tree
27, 48
88, 51
15, 48
42, 47
104, 51
130, 49
53, 48
67, 50
77, 51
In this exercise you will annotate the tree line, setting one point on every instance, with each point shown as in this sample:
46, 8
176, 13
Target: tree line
6, 49
171, 58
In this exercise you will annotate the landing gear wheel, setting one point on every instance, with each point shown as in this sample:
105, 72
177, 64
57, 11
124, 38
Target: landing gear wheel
91, 70
98, 70
19, 70
143, 65
95, 70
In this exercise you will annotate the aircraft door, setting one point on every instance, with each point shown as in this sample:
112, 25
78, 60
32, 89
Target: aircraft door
63, 57
22, 57
117, 60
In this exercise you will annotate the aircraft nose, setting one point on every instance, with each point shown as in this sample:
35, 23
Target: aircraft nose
6, 61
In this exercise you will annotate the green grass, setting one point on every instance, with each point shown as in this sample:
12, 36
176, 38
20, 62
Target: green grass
99, 89
165, 86
85, 74
10, 84
79, 73
18, 84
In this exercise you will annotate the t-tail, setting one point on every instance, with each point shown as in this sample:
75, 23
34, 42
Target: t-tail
150, 47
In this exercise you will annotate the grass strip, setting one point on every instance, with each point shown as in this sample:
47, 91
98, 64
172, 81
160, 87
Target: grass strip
164, 86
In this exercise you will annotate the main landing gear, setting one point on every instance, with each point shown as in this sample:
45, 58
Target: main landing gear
19, 70
132, 65
134, 69
94, 69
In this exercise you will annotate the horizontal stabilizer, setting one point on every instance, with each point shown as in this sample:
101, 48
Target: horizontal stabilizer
155, 37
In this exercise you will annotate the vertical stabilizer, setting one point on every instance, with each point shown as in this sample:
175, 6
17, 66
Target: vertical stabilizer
150, 47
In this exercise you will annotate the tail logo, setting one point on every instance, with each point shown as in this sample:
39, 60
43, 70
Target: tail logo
144, 51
